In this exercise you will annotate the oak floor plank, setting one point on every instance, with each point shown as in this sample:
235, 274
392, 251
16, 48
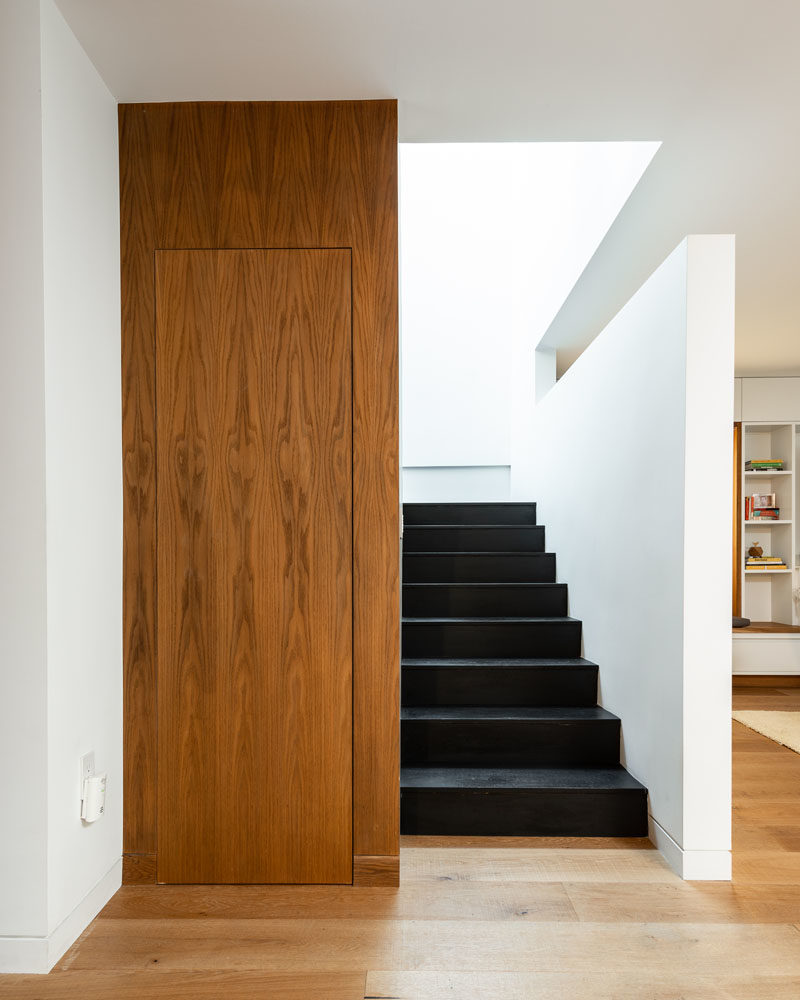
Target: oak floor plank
523, 986
447, 864
185, 986
632, 985
695, 902
419, 901
298, 945
699, 949
767, 867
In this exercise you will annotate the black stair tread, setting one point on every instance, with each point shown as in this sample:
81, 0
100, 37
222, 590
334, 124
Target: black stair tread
478, 552
492, 661
469, 503
434, 525
479, 713
451, 513
516, 584
611, 779
517, 619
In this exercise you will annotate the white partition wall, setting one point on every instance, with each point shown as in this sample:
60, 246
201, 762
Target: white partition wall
631, 471
23, 580
61, 524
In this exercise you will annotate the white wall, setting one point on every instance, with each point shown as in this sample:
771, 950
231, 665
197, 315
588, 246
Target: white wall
493, 235
23, 742
776, 399
626, 445
84, 475
61, 570
453, 483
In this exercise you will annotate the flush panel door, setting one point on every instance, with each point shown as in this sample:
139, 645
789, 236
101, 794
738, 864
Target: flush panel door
254, 565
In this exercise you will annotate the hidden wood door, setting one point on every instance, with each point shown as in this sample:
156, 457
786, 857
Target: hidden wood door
254, 565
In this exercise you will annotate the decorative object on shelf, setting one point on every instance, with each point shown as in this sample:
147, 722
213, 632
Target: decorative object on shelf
763, 500
755, 551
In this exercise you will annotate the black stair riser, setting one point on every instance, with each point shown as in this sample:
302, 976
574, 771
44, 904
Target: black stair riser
460, 567
500, 685
509, 742
501, 812
469, 513
466, 600
460, 538
541, 639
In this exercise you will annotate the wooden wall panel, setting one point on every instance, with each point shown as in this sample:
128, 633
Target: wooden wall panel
254, 459
737, 519
138, 224
227, 175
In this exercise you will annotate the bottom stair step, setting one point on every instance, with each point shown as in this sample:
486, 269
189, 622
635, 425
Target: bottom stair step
522, 802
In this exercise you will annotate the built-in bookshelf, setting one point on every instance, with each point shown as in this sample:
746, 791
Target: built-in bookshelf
769, 503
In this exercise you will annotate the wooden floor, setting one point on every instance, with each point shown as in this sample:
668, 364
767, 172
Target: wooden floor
508, 920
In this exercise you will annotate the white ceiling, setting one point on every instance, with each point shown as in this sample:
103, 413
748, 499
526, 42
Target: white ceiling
718, 81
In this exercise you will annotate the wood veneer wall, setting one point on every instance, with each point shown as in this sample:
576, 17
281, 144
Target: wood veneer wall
261, 175
737, 519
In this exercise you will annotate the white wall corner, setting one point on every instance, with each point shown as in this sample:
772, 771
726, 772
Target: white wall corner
38, 955
544, 371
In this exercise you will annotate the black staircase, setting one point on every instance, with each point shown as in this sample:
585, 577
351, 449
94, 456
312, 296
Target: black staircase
501, 733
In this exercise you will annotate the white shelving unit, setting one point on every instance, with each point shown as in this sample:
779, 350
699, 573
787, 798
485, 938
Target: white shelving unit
767, 594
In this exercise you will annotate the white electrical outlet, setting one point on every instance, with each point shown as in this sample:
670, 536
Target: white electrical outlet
87, 767
93, 790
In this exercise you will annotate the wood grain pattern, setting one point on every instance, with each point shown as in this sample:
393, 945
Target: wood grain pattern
766, 806
225, 175
138, 218
376, 871
253, 362
184, 985
620, 983
138, 869
445, 900
737, 518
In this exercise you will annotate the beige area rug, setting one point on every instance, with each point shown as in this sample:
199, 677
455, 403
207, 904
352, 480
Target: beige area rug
782, 727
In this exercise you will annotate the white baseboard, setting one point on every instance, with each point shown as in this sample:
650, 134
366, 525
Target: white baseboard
692, 866
40, 954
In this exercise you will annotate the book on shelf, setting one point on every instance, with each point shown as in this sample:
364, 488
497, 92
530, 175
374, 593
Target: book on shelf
765, 562
763, 465
766, 514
